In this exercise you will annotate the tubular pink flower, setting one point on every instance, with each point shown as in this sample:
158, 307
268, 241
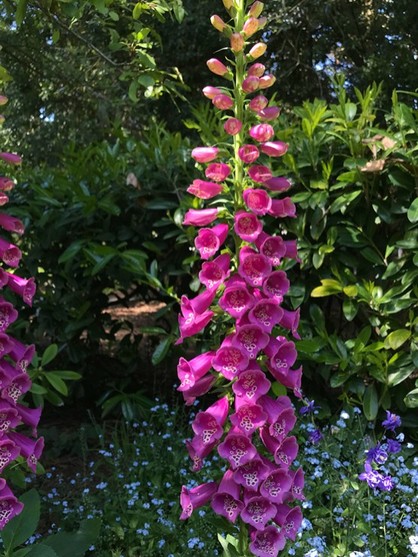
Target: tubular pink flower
233, 126
298, 481
8, 315
251, 475
278, 184
211, 92
6, 184
193, 324
9, 505
251, 385
250, 339
198, 450
260, 174
3, 278
25, 288
289, 519
21, 354
236, 300
205, 154
250, 84
6, 344
9, 451
199, 388
217, 67
254, 269
29, 416
284, 358
284, 423
248, 418
215, 272
256, 69
274, 148
276, 285
274, 248
265, 314
3, 199
258, 511
204, 190
191, 371
247, 226
290, 320
11, 224
226, 502
217, 171
268, 113
191, 499
9, 253
209, 240
19, 385
281, 208
267, 542
291, 250
223, 102
258, 103
11, 158
276, 486
261, 132
237, 449
200, 217
229, 361
9, 417
31, 449
248, 153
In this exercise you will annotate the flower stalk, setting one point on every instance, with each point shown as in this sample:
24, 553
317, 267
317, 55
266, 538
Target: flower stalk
244, 286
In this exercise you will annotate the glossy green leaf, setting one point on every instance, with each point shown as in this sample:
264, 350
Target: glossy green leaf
50, 353
23, 526
370, 403
411, 399
397, 338
413, 211
161, 350
56, 381
328, 287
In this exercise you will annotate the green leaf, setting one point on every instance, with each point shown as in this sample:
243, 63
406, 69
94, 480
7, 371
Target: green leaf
152, 331
42, 550
278, 389
350, 309
161, 351
68, 375
400, 375
21, 11
75, 544
370, 403
397, 338
49, 354
71, 251
411, 399
56, 382
329, 287
37, 389
413, 211
342, 202
21, 552
23, 526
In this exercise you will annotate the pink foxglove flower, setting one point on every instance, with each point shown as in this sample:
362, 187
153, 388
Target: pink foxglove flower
267, 542
256, 69
258, 103
250, 84
223, 102
248, 153
205, 154
200, 217
209, 240
226, 502
251, 385
278, 184
254, 269
250, 26
268, 112
247, 226
257, 201
217, 67
211, 92
267, 81
260, 174
233, 126
236, 300
217, 171
204, 190
196, 497
274, 148
261, 132
257, 50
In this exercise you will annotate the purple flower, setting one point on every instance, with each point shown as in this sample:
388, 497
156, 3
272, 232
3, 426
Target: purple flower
267, 542
237, 449
204, 190
258, 511
289, 519
248, 418
251, 385
276, 486
209, 240
309, 408
251, 475
392, 421
250, 339
315, 436
236, 300
9, 505
393, 446
247, 226
371, 476
377, 454
229, 360
226, 501
196, 497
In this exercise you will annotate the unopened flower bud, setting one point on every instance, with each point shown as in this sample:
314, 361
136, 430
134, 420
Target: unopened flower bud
250, 26
217, 67
256, 9
258, 103
205, 154
228, 4
237, 42
3, 100
223, 102
261, 132
256, 69
218, 23
211, 92
262, 22
257, 50
267, 81
233, 126
250, 84
2, 119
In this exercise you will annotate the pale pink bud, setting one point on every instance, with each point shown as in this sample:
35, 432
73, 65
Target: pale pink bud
250, 26
256, 69
211, 92
205, 154
217, 67
6, 184
233, 126
274, 148
267, 81
258, 103
269, 113
262, 22
237, 42
257, 50
204, 190
228, 4
3, 100
200, 217
250, 84
256, 9
223, 102
261, 132
218, 23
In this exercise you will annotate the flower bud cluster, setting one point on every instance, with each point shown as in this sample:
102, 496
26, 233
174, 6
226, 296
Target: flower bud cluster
14, 358
244, 287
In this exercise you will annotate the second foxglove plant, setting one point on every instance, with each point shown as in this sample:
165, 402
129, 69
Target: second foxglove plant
243, 298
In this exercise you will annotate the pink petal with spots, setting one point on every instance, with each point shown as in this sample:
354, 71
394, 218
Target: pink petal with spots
196, 497
266, 314
257, 512
237, 449
251, 475
217, 171
281, 208
289, 519
250, 339
268, 542
276, 486
248, 153
247, 226
226, 502
249, 418
229, 361
261, 174
236, 300
251, 385
258, 201
276, 285
254, 269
